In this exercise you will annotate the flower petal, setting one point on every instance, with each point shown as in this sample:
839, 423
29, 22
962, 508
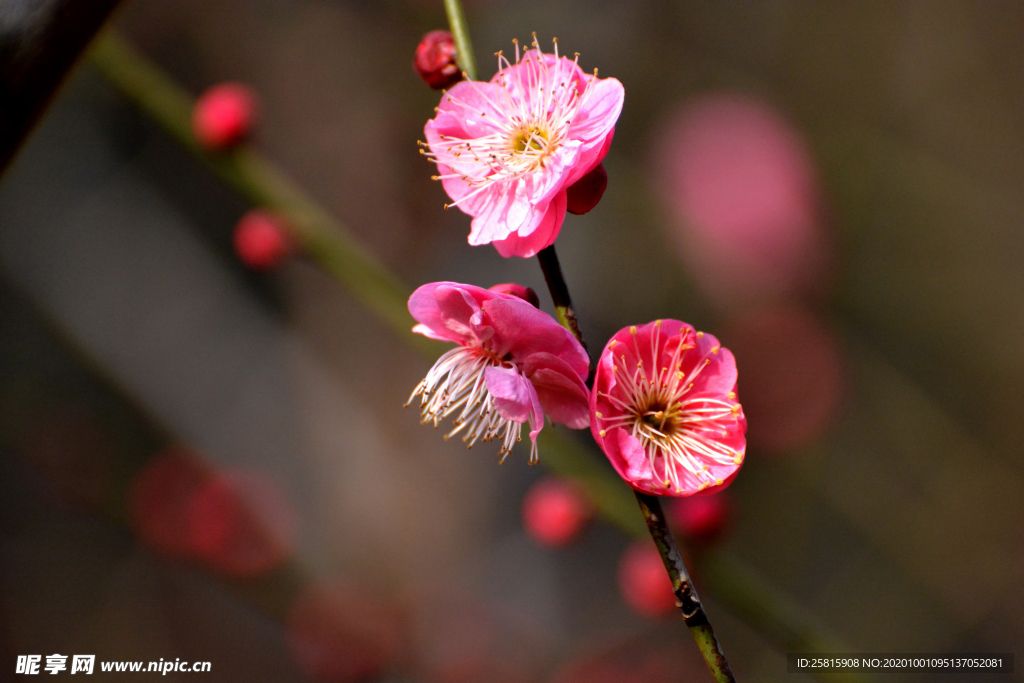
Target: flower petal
522, 330
543, 236
451, 311
515, 398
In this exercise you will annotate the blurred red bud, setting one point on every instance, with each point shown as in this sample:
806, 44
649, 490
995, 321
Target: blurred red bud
223, 116
159, 497
555, 511
699, 519
525, 293
585, 193
241, 523
261, 240
338, 633
643, 581
435, 60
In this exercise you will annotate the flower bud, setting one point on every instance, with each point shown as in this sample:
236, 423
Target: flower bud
555, 511
261, 240
585, 193
700, 520
223, 116
435, 60
524, 293
643, 581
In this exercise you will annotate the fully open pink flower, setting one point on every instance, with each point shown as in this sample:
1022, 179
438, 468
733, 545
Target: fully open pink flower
514, 364
508, 150
664, 409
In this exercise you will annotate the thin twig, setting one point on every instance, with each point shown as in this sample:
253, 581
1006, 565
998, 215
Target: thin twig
463, 46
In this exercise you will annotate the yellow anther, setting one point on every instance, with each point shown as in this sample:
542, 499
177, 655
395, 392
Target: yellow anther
599, 415
731, 394
632, 329
679, 374
602, 433
736, 408
612, 343
738, 459
657, 323
715, 349
699, 335
718, 482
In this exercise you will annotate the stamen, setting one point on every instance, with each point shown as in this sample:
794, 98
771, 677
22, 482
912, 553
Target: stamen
456, 383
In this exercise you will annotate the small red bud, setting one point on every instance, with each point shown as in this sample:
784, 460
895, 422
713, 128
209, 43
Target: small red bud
524, 293
699, 519
555, 511
585, 193
223, 116
261, 240
435, 60
643, 581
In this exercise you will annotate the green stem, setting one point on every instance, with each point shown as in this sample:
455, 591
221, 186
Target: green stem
327, 241
324, 239
463, 46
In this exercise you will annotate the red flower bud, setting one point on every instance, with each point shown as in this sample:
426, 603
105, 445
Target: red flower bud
223, 116
585, 193
435, 60
699, 519
261, 240
643, 581
524, 293
555, 511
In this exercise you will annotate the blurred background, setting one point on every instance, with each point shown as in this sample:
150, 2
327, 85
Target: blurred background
209, 463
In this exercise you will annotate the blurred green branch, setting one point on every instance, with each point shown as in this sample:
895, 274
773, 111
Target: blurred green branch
463, 46
326, 241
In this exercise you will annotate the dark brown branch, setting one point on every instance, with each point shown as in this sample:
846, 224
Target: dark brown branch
40, 40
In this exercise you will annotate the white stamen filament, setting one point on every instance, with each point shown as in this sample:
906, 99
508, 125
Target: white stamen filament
456, 384
671, 426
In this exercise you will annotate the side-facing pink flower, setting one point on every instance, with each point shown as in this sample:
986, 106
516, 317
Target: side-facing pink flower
508, 150
513, 364
664, 409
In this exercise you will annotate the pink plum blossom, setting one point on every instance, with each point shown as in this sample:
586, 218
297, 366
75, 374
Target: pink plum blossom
513, 364
508, 150
664, 409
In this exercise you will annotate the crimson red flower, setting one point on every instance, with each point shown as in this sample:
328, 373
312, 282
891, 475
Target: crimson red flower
664, 409
514, 364
223, 115
435, 60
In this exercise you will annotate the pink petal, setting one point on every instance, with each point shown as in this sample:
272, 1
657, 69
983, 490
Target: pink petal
600, 110
515, 398
522, 330
451, 311
543, 236
565, 401
633, 465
